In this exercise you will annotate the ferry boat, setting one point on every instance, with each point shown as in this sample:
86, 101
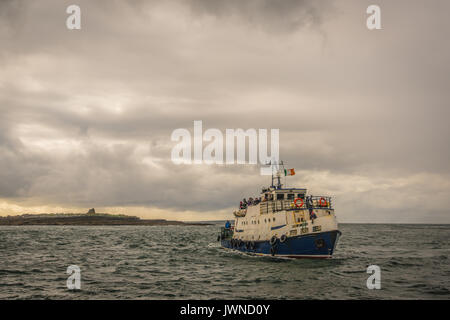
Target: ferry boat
284, 222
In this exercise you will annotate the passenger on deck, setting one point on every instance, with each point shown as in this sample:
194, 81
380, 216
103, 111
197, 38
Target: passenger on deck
312, 215
227, 225
309, 202
245, 203
309, 205
241, 205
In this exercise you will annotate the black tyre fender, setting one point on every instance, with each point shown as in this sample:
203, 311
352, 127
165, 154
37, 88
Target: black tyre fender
273, 241
283, 238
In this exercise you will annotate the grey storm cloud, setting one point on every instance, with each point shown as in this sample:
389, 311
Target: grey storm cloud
273, 16
86, 116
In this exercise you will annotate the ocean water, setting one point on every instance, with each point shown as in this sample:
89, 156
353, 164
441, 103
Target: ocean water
186, 262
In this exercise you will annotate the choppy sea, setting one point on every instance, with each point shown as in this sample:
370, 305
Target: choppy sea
186, 262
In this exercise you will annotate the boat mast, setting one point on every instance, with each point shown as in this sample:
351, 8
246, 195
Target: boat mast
278, 175
271, 167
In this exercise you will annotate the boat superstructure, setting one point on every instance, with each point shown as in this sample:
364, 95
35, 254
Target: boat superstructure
284, 222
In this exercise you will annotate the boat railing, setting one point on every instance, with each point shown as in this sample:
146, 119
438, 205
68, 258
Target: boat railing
321, 202
316, 202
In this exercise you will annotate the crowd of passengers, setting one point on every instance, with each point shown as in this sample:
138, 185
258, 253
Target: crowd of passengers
250, 202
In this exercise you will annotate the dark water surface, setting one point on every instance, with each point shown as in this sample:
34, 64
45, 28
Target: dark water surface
186, 262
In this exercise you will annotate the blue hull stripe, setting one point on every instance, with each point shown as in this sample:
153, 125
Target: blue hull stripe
320, 245
277, 227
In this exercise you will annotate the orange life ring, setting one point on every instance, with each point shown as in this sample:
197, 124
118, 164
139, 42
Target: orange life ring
295, 202
323, 202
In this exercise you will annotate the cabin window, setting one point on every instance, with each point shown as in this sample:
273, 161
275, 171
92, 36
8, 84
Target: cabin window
301, 195
280, 196
290, 196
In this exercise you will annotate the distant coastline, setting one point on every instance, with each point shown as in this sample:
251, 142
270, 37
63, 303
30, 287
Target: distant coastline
87, 219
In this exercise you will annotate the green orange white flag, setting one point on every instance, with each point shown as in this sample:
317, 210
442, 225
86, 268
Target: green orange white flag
289, 172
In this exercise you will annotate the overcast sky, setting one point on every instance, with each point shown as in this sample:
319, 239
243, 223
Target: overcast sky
86, 115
